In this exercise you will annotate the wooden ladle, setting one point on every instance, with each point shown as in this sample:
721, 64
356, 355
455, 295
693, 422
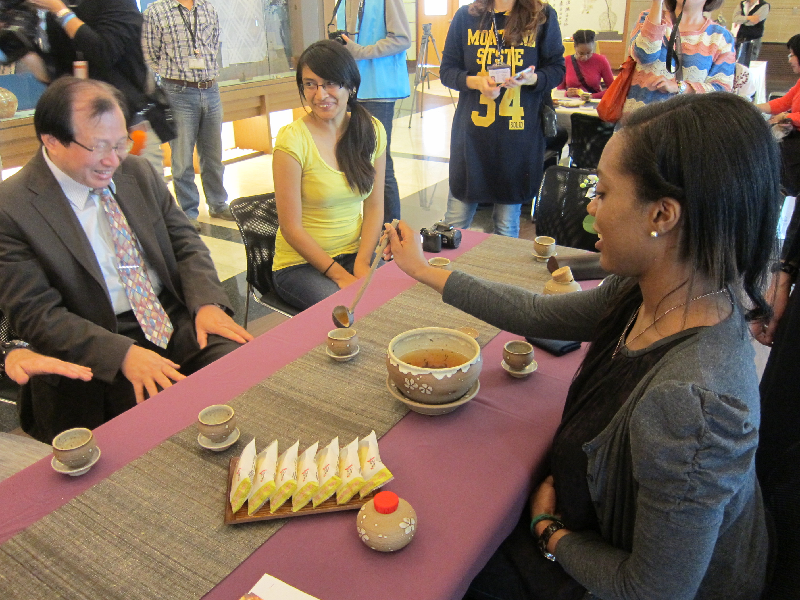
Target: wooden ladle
343, 316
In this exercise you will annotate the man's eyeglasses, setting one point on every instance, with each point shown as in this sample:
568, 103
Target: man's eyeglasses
329, 86
104, 149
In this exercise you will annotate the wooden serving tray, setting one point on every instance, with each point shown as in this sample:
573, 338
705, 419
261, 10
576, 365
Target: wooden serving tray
263, 514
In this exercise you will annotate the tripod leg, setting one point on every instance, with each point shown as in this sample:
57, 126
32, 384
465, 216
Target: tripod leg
423, 50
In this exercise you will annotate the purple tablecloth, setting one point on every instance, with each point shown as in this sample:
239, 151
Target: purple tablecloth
467, 474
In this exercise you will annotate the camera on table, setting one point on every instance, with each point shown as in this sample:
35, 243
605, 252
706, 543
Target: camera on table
441, 235
336, 36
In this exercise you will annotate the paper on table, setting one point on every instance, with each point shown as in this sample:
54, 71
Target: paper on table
327, 472
350, 472
285, 478
271, 588
307, 481
373, 471
264, 481
243, 477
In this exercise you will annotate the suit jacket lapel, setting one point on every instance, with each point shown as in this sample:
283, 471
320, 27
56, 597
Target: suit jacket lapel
53, 206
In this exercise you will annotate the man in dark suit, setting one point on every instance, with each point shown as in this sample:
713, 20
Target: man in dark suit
100, 267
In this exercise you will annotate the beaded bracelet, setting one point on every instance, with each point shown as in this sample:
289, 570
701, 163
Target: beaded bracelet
541, 517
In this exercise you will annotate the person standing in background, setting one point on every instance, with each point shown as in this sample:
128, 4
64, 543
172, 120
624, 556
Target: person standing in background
504, 57
748, 28
106, 34
382, 36
180, 39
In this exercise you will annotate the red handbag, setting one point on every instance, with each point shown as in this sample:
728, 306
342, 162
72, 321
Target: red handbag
610, 107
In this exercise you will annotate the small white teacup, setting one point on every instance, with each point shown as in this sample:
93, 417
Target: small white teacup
544, 246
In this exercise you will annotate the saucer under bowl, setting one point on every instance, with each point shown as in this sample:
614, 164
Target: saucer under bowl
343, 358
218, 446
60, 467
541, 258
520, 373
433, 409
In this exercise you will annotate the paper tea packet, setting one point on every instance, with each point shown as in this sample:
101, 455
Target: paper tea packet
264, 481
285, 478
350, 472
327, 472
373, 471
307, 480
243, 476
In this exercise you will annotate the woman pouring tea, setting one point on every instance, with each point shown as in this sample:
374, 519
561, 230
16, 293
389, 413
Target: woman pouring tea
650, 489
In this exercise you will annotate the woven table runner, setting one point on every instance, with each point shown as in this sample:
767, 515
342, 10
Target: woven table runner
154, 529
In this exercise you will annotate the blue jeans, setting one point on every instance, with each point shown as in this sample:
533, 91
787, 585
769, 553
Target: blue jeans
384, 112
303, 286
505, 216
198, 116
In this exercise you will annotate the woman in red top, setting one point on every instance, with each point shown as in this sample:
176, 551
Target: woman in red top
587, 64
785, 113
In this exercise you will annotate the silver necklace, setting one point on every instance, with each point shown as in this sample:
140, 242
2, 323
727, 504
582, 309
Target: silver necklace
621, 343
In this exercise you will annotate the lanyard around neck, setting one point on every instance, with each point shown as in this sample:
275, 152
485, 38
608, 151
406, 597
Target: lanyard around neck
192, 32
497, 38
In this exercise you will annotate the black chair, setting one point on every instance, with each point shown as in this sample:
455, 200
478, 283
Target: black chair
588, 138
560, 207
257, 218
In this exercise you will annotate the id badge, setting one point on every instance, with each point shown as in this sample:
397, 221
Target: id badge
499, 72
196, 63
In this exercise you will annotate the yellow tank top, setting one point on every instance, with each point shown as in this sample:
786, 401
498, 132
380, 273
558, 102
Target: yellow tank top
331, 210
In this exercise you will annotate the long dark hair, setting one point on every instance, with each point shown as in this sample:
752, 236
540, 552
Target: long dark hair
523, 20
332, 62
714, 154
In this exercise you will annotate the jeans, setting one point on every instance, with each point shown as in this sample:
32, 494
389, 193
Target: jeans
198, 116
384, 112
303, 286
505, 216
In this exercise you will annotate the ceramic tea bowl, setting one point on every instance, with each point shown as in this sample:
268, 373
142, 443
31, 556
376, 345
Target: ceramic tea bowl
434, 365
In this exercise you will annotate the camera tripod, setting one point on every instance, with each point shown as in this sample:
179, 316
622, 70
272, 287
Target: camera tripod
423, 73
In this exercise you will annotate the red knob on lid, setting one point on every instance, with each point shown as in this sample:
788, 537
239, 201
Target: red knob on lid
386, 502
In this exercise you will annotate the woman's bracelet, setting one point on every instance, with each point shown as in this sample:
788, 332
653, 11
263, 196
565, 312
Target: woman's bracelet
66, 19
325, 272
541, 517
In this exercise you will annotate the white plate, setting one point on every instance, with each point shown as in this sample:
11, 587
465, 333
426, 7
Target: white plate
541, 258
344, 358
522, 373
218, 446
74, 472
433, 409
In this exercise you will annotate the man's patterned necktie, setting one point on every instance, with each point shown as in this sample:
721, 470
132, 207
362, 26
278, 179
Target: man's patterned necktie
133, 274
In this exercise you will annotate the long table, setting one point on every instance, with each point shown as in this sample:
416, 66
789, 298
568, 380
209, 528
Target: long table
467, 474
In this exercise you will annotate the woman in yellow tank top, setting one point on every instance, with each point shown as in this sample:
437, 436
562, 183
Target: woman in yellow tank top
328, 169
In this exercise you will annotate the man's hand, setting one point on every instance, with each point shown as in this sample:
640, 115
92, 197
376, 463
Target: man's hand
22, 364
212, 319
148, 371
50, 5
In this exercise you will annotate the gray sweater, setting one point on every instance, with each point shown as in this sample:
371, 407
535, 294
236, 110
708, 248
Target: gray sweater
672, 476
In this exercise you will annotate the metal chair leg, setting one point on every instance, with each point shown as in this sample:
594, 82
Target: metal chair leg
247, 305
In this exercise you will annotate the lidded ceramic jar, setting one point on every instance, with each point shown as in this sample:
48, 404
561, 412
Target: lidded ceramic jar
386, 523
562, 282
